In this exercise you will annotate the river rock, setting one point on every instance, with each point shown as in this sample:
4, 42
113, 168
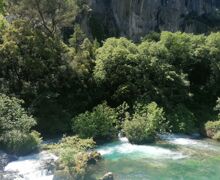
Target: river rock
107, 176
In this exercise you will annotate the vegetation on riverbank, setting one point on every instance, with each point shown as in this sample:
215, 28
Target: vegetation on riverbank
76, 156
16, 136
145, 123
62, 76
213, 127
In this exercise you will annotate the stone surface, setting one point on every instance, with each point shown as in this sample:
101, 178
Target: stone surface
135, 18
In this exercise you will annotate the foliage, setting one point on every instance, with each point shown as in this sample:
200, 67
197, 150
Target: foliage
131, 71
120, 70
145, 123
181, 120
122, 114
217, 136
3, 23
47, 74
212, 128
217, 107
15, 127
13, 116
74, 160
17, 142
60, 76
99, 124
50, 16
2, 6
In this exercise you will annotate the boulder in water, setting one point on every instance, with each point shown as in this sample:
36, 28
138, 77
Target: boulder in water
107, 176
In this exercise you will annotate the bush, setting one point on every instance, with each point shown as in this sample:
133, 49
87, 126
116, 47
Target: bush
16, 142
217, 136
99, 124
74, 158
15, 127
212, 128
181, 120
143, 126
217, 107
13, 115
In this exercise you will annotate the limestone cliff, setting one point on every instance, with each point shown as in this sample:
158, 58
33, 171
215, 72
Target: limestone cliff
135, 18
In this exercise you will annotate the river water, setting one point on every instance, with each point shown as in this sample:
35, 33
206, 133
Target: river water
176, 157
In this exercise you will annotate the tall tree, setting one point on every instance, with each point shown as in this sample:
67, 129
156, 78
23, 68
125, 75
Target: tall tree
50, 15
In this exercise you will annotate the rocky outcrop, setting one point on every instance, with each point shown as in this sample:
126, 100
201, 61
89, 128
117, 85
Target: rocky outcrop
135, 18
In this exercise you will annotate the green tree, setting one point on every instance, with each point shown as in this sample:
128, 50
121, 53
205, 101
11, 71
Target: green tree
33, 67
99, 124
78, 37
169, 85
15, 127
121, 71
2, 6
213, 45
145, 123
49, 15
217, 107
181, 120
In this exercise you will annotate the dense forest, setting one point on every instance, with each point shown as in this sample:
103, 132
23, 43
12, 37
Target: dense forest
57, 79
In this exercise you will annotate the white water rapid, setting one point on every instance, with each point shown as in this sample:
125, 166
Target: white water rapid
124, 148
32, 167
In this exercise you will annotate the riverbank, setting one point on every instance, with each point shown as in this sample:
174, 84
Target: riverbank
177, 156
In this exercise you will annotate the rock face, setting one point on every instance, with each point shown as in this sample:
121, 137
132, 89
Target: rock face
135, 18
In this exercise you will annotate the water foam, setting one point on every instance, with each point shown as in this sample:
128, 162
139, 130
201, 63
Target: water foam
31, 167
124, 148
188, 141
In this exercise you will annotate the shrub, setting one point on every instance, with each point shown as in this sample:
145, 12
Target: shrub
217, 136
99, 124
16, 142
217, 107
13, 115
212, 128
143, 126
15, 127
74, 158
181, 120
